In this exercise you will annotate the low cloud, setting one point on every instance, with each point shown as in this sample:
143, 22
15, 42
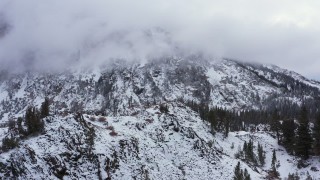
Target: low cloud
51, 34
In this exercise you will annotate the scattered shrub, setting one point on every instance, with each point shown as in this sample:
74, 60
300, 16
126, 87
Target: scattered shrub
33, 120
9, 143
92, 118
232, 145
134, 113
164, 108
149, 121
11, 124
314, 169
102, 119
113, 133
111, 128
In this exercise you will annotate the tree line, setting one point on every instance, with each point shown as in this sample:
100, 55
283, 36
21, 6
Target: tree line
292, 130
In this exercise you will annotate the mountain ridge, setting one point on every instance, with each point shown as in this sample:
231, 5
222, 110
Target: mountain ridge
132, 121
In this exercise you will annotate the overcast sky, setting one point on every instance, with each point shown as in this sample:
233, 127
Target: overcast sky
52, 33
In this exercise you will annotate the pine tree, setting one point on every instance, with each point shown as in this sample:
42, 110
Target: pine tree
20, 128
308, 176
273, 173
45, 108
316, 135
246, 175
304, 139
249, 152
245, 149
238, 174
212, 120
288, 128
9, 143
274, 159
227, 126
293, 176
261, 155
33, 121
275, 124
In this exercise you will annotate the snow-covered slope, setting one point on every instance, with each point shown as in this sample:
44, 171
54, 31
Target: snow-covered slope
124, 88
148, 145
137, 140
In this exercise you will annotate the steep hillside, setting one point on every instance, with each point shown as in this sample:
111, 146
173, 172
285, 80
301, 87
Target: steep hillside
148, 145
130, 120
124, 88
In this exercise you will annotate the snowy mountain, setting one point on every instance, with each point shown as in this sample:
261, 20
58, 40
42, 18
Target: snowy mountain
107, 123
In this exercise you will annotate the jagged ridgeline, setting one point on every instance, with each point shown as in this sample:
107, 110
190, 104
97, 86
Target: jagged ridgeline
165, 119
125, 86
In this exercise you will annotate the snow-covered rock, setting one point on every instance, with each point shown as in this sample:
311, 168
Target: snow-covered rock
108, 123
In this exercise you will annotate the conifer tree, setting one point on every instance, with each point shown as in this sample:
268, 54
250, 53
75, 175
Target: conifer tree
246, 175
9, 143
275, 124
227, 126
245, 149
20, 128
45, 108
274, 159
212, 120
304, 139
238, 174
288, 128
273, 173
249, 152
261, 155
316, 135
33, 121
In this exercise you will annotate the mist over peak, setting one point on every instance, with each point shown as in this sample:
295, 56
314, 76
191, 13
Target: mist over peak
39, 34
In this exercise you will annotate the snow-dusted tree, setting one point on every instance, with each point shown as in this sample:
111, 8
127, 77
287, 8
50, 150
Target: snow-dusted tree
9, 142
288, 128
293, 176
275, 124
316, 135
304, 139
33, 121
238, 174
248, 151
45, 108
274, 159
273, 173
261, 155
246, 175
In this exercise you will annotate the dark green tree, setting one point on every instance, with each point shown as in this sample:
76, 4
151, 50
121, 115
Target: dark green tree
246, 175
250, 156
293, 176
45, 108
274, 159
245, 149
261, 155
33, 121
273, 173
304, 139
20, 128
316, 135
9, 143
288, 140
226, 126
238, 174
275, 124
212, 119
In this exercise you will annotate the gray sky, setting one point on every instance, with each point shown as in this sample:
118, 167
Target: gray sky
55, 33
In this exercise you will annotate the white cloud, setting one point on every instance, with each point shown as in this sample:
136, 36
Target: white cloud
53, 32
